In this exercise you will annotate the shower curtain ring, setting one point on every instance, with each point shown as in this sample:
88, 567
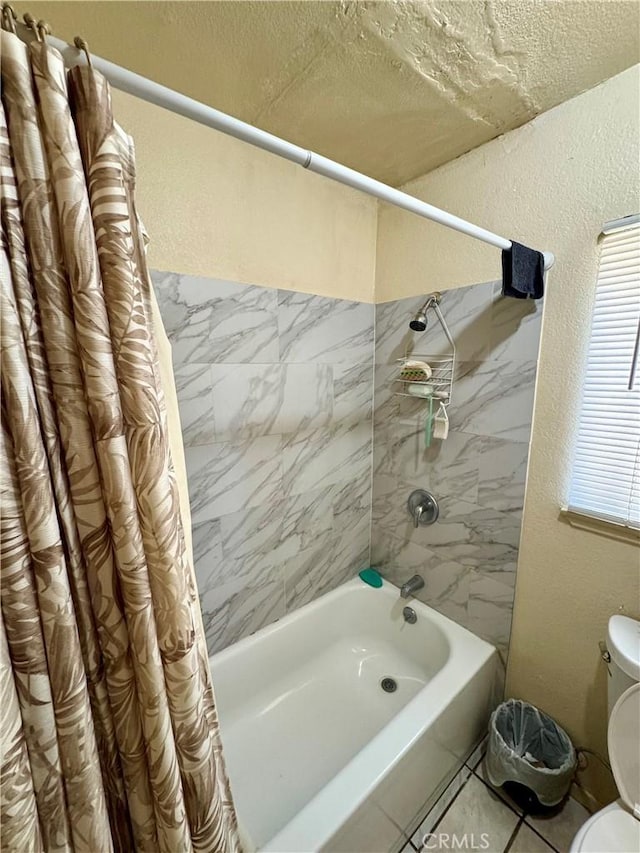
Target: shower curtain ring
43, 29
9, 18
82, 44
31, 22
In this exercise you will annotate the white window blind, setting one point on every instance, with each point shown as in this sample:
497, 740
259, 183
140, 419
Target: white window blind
605, 479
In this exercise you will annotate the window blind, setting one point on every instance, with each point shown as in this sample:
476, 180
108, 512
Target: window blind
605, 480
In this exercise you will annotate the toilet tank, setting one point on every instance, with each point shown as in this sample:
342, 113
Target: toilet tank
623, 645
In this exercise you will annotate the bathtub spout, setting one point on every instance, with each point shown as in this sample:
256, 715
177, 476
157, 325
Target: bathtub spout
411, 586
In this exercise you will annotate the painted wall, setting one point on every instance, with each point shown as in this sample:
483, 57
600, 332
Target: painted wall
220, 208
275, 390
550, 184
468, 558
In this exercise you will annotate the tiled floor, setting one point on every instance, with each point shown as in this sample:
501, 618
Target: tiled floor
472, 815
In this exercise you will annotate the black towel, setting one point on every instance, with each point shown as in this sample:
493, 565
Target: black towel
522, 272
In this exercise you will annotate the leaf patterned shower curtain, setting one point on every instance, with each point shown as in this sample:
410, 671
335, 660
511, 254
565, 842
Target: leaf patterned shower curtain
110, 738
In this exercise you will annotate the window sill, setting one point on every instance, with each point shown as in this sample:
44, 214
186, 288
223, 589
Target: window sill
600, 526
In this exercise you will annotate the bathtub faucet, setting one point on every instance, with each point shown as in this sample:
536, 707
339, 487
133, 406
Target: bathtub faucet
411, 586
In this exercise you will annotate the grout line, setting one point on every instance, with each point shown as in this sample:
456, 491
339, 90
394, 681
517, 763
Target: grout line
426, 815
477, 763
408, 845
539, 834
513, 836
407, 838
441, 818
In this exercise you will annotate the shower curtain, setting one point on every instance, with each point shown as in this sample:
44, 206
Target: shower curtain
110, 737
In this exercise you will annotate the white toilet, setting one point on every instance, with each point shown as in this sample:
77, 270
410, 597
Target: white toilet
616, 828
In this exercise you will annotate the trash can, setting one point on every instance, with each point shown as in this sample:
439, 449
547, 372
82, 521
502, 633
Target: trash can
527, 748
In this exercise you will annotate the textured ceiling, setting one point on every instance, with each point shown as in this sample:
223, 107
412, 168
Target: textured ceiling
392, 89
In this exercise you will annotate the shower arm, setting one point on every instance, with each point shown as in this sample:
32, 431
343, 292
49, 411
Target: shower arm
433, 301
154, 93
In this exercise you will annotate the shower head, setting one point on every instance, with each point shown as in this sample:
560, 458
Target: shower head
418, 322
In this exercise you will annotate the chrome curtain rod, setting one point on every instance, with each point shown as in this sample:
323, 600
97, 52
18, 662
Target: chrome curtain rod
134, 84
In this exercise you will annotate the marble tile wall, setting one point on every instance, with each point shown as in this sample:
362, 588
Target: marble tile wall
275, 390
468, 558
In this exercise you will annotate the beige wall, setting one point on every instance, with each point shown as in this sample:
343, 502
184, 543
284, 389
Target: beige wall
218, 207
550, 184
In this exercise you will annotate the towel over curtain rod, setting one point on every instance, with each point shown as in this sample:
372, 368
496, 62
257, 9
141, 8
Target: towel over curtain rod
148, 90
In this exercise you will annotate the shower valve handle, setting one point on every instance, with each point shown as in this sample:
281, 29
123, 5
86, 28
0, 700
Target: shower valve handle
423, 508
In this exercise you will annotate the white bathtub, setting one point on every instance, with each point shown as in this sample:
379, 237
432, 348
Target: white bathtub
319, 756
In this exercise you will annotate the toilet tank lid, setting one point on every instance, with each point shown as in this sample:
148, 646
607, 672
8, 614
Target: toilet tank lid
623, 643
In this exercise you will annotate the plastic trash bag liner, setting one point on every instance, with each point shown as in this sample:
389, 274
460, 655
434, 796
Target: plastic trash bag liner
528, 747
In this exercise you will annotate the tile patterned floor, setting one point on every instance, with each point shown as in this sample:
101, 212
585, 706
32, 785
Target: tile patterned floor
484, 818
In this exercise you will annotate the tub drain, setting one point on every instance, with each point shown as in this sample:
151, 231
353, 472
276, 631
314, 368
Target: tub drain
388, 684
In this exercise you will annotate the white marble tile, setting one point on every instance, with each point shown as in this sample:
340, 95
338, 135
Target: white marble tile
308, 575
325, 565
559, 829
466, 310
515, 328
446, 467
502, 474
231, 615
494, 398
207, 550
253, 537
526, 840
351, 500
388, 506
316, 458
237, 596
351, 551
446, 586
476, 812
390, 510
247, 400
489, 608
468, 314
394, 338
323, 330
268, 399
352, 394
478, 537
193, 387
473, 536
209, 320
224, 478
309, 519
397, 560
265, 508
307, 397
392, 409
228, 577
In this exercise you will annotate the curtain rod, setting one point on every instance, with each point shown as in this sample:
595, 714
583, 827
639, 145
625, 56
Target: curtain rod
141, 87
